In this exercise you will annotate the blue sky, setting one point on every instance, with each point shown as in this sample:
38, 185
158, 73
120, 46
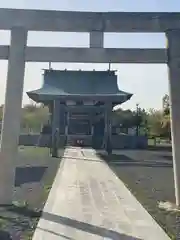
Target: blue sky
148, 83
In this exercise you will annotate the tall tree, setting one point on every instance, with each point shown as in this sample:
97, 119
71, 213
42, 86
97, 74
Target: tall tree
166, 104
154, 121
166, 117
34, 116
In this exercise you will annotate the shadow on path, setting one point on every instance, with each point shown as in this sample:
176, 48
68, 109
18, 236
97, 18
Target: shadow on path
115, 159
56, 234
82, 159
25, 211
159, 148
29, 175
142, 164
5, 235
86, 227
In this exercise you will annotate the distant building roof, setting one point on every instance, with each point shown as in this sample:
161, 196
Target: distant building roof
97, 85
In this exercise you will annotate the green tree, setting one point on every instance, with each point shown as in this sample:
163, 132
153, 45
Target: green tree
154, 122
34, 116
1, 112
166, 104
130, 119
166, 117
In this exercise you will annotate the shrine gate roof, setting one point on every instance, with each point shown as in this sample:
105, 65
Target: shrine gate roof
75, 85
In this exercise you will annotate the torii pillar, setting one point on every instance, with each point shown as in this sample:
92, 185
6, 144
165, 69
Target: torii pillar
173, 56
12, 113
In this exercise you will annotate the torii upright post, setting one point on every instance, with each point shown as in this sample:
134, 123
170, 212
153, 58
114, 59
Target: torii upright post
173, 53
12, 113
55, 128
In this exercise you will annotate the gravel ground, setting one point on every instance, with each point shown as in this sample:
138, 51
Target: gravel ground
149, 176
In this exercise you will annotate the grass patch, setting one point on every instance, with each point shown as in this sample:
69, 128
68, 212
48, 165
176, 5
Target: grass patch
34, 151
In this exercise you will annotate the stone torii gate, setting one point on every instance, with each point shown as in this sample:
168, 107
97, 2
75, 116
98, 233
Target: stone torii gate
22, 21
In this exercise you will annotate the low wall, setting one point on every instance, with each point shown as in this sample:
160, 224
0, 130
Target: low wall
118, 141
33, 139
129, 142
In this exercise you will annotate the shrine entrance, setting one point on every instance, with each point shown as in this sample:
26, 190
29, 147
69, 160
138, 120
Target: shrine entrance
80, 105
20, 21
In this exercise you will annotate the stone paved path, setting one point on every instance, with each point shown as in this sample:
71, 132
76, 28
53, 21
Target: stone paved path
88, 201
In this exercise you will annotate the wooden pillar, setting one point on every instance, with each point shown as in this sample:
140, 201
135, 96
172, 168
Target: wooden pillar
108, 128
50, 114
110, 124
105, 127
67, 123
91, 120
56, 115
55, 128
67, 126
